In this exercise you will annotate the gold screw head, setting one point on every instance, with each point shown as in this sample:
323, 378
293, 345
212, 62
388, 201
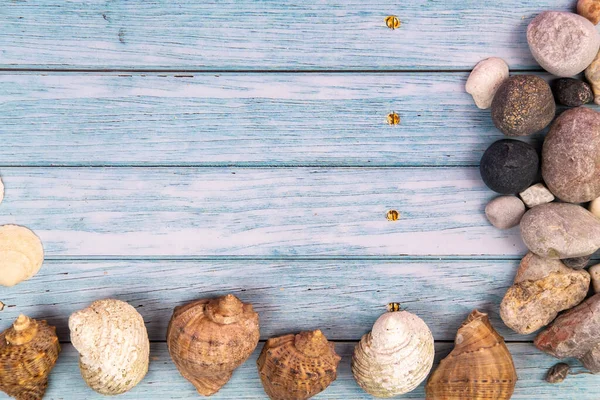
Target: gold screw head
393, 118
392, 22
393, 215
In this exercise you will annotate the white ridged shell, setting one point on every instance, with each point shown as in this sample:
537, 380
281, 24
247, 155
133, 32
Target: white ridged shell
113, 346
395, 357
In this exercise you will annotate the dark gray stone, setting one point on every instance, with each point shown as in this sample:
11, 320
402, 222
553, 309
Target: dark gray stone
572, 92
577, 262
509, 166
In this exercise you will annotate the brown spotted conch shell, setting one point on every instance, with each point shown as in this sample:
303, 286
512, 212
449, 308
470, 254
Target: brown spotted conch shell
113, 346
21, 254
28, 351
479, 367
297, 367
208, 339
395, 357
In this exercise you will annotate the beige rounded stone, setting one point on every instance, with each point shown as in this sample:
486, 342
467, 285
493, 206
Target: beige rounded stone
595, 274
560, 230
505, 212
485, 79
594, 207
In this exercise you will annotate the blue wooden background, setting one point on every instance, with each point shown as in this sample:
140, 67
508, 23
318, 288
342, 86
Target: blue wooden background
167, 150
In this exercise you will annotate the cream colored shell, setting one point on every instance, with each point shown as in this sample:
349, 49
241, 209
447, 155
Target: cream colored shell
113, 346
395, 357
21, 252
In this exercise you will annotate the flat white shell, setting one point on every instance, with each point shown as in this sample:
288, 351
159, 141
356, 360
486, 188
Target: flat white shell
395, 357
21, 252
113, 346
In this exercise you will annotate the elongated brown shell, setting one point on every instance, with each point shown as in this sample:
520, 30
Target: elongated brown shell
479, 367
297, 367
28, 351
208, 339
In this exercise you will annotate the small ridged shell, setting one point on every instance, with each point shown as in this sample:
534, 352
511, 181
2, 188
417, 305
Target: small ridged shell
297, 367
21, 252
479, 367
113, 346
28, 351
395, 357
209, 338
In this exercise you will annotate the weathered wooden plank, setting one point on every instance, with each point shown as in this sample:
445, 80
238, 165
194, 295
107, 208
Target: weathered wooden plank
164, 382
255, 212
241, 119
342, 297
251, 35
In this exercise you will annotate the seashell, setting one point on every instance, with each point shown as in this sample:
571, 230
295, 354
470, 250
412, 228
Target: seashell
21, 253
395, 357
113, 346
28, 351
297, 367
479, 367
209, 338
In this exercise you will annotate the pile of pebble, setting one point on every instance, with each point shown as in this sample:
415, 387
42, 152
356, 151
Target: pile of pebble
558, 210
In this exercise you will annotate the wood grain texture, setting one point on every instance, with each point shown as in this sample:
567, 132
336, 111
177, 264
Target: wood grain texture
342, 297
265, 35
255, 212
242, 119
164, 382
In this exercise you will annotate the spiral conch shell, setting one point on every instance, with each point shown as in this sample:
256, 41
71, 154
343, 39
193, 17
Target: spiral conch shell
395, 357
479, 367
28, 351
208, 339
297, 367
21, 253
113, 346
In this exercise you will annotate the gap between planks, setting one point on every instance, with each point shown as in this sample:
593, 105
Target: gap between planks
42, 71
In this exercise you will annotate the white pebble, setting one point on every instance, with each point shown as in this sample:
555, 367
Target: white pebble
536, 195
505, 212
485, 79
595, 273
594, 207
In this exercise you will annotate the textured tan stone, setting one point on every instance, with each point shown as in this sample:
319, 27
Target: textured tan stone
542, 288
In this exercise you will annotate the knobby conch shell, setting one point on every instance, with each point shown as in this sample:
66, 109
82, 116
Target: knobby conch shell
479, 367
395, 357
21, 253
297, 367
208, 339
113, 346
28, 351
